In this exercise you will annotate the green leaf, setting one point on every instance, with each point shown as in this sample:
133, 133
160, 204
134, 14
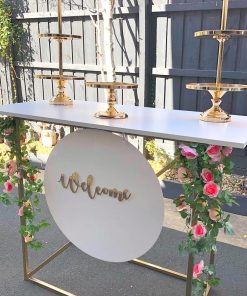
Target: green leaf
214, 232
214, 281
4, 198
228, 229
210, 270
35, 245
36, 200
43, 224
184, 215
198, 288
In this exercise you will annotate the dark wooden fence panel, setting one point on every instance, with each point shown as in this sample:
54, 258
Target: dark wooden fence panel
194, 60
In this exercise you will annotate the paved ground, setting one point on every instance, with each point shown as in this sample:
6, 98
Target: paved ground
83, 275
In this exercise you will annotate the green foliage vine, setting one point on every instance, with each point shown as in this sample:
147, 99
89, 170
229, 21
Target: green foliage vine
10, 39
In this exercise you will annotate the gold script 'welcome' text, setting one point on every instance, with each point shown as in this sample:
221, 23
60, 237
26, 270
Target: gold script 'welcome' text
74, 184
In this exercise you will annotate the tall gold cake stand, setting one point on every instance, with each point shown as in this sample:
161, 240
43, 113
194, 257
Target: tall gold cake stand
218, 89
60, 98
111, 111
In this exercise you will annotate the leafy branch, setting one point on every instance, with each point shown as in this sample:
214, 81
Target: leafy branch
14, 172
200, 169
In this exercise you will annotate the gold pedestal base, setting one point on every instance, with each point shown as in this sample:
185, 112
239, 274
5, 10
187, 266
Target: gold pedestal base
215, 114
61, 99
111, 112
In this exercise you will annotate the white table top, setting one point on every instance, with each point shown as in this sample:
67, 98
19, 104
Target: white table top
148, 122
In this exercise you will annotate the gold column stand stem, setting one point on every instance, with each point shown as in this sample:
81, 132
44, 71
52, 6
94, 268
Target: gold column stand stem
215, 113
61, 98
111, 112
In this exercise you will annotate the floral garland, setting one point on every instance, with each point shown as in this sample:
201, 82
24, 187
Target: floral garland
14, 172
200, 169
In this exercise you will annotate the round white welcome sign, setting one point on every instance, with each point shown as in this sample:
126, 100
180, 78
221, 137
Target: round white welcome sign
104, 196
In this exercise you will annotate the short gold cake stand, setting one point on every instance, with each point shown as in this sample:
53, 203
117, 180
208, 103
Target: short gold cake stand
218, 89
215, 113
60, 98
111, 112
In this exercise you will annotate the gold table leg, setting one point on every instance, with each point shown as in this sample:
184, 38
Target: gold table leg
21, 198
189, 275
26, 269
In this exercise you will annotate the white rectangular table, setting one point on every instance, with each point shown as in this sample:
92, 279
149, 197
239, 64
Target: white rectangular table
147, 122
142, 121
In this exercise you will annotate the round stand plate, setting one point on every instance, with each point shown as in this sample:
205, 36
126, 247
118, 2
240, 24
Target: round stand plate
112, 85
221, 33
59, 36
59, 77
224, 87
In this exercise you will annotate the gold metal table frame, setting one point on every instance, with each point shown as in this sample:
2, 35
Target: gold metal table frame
29, 274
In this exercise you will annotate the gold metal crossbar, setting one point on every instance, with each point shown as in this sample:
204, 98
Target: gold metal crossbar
49, 259
161, 269
50, 287
139, 262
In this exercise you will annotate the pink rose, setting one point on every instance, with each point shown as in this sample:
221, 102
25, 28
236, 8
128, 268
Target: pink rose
188, 152
211, 189
182, 174
214, 214
227, 151
207, 175
8, 187
20, 212
213, 150
12, 167
198, 269
215, 159
182, 207
199, 231
28, 238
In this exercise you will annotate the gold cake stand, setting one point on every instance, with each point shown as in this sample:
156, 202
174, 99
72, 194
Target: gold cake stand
218, 89
215, 113
111, 112
60, 98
